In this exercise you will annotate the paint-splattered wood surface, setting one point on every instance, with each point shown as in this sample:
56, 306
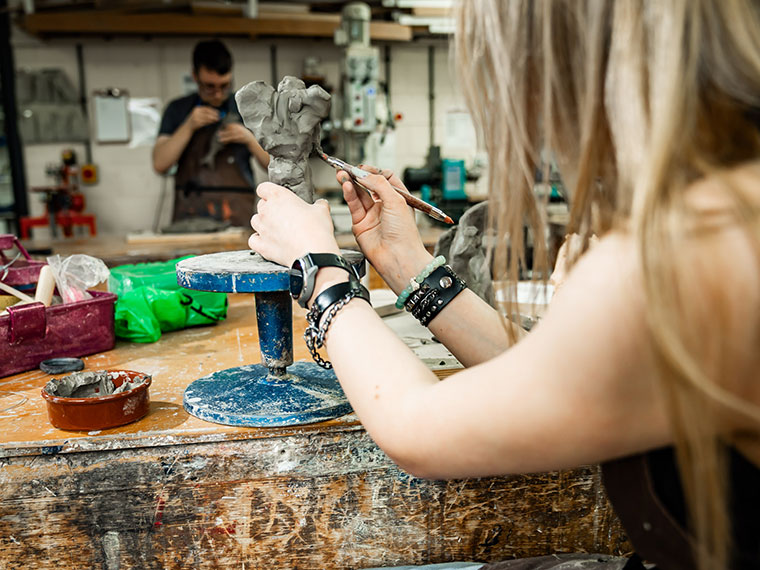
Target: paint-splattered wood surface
174, 492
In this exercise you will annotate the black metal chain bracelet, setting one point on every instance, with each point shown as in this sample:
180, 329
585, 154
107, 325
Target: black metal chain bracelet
315, 334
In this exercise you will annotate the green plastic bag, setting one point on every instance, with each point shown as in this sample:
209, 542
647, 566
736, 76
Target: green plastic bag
151, 302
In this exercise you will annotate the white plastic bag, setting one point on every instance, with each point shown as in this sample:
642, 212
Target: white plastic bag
75, 274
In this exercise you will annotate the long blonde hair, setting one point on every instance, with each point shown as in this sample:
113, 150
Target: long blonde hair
636, 100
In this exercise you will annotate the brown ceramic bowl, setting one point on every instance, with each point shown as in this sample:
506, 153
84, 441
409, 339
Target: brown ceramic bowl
85, 414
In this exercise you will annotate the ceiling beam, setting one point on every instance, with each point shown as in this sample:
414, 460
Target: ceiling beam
98, 22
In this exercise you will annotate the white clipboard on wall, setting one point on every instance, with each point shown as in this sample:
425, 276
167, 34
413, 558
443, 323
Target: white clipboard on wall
111, 109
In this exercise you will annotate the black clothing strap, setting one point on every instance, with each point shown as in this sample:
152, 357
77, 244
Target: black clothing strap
646, 492
327, 304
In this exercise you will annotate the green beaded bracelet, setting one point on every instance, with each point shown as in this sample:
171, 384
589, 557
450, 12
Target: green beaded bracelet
414, 283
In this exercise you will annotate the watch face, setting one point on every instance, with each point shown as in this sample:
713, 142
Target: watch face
296, 280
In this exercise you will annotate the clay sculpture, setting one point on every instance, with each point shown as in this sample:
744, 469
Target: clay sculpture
286, 124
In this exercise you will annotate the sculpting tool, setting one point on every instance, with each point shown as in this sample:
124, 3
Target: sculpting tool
16, 293
357, 174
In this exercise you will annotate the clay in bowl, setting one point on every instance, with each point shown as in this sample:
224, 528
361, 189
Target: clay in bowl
94, 400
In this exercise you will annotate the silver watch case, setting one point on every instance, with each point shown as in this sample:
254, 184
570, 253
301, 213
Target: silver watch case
303, 273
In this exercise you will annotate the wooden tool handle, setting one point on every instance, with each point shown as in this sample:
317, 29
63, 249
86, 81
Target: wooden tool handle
45, 286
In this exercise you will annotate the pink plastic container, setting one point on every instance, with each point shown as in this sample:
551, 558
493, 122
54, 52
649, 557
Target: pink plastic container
24, 271
32, 333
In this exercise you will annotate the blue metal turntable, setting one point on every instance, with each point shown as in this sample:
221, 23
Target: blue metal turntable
277, 392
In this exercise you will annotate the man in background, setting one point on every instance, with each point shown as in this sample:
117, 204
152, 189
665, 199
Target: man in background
203, 134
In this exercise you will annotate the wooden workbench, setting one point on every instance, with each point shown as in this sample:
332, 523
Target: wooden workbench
141, 248
174, 492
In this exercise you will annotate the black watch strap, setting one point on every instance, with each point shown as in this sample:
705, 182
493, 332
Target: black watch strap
335, 293
330, 260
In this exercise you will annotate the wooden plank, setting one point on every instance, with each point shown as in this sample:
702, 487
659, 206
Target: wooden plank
234, 235
299, 502
428, 12
273, 24
389, 31
174, 362
114, 250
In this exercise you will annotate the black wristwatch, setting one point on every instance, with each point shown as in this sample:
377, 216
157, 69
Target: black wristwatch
304, 272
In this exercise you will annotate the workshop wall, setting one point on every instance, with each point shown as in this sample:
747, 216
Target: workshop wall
129, 192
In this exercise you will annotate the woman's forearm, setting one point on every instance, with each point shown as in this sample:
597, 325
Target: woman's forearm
380, 375
468, 326
471, 329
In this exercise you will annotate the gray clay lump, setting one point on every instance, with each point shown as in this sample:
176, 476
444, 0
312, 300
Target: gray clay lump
90, 384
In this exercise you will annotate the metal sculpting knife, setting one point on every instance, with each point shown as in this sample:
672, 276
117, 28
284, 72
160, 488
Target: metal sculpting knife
357, 174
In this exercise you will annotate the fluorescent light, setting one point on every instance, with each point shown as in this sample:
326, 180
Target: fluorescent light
438, 23
445, 29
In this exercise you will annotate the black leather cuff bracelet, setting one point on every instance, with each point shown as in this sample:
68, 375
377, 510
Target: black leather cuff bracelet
333, 294
434, 293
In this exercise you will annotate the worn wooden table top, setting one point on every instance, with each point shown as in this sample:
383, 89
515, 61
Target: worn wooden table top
174, 361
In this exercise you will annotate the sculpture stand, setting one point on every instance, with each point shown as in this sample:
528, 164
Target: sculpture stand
277, 392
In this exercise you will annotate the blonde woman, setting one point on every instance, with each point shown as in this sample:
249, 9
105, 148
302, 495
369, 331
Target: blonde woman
647, 360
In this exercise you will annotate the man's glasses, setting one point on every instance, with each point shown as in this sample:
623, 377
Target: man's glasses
211, 88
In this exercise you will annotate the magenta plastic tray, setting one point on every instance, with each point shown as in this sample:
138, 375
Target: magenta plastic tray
32, 333
24, 271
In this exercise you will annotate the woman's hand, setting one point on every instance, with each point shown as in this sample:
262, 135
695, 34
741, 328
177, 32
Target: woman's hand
286, 228
384, 226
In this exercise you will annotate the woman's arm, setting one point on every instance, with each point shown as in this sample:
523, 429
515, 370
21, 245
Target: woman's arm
387, 233
580, 388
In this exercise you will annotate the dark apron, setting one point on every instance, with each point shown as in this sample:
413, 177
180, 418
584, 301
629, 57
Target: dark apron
645, 491
212, 185
651, 528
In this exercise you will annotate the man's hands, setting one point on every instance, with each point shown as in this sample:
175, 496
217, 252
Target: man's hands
204, 115
201, 116
235, 133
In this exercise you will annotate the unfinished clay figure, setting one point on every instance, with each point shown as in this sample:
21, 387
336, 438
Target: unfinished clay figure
286, 124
